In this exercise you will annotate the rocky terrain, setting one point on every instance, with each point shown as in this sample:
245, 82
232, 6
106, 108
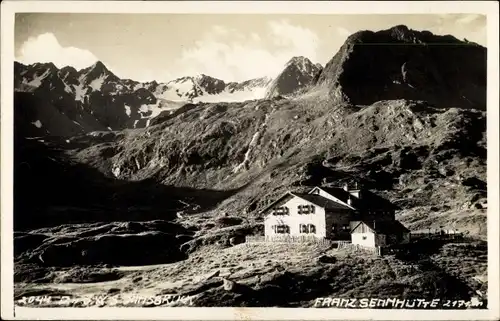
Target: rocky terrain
183, 192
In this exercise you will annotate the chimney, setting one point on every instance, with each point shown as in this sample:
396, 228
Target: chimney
349, 200
374, 226
346, 188
355, 192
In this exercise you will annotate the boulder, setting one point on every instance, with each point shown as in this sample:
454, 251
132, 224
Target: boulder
229, 285
327, 259
474, 182
236, 240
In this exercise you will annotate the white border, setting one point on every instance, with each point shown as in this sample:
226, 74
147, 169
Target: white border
9, 8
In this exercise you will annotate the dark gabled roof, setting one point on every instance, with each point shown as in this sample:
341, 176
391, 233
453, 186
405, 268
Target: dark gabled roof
315, 199
285, 196
322, 201
384, 227
368, 200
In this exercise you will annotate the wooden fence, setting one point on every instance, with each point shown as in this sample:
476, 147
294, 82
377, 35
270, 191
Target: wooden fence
360, 248
443, 235
288, 239
341, 244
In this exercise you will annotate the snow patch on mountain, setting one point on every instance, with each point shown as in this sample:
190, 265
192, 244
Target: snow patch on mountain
67, 88
37, 80
180, 89
236, 96
127, 110
96, 84
150, 111
80, 92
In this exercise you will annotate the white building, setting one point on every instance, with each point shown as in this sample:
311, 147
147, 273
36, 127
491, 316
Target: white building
328, 213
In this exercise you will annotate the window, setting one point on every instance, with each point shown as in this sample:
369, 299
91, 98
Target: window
307, 229
281, 229
364, 237
306, 209
283, 210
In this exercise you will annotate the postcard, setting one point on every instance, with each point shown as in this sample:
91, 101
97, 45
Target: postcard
249, 160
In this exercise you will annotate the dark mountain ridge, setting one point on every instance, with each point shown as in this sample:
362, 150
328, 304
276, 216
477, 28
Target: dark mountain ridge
400, 63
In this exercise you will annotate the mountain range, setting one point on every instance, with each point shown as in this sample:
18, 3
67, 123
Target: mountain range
66, 101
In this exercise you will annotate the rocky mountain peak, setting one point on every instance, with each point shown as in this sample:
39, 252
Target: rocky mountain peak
297, 59
67, 69
69, 75
300, 62
19, 68
401, 32
100, 78
400, 63
98, 66
45, 65
95, 71
210, 84
298, 73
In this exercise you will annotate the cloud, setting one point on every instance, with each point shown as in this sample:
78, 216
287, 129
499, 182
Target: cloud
471, 19
231, 55
301, 40
469, 26
46, 48
343, 31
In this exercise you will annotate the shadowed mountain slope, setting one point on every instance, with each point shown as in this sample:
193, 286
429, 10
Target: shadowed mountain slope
400, 63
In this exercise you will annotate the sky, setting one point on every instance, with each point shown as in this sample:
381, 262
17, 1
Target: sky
231, 47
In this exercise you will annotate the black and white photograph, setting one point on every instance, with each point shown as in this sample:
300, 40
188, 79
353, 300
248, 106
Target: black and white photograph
170, 159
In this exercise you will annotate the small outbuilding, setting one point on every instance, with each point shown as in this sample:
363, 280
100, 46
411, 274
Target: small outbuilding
378, 233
